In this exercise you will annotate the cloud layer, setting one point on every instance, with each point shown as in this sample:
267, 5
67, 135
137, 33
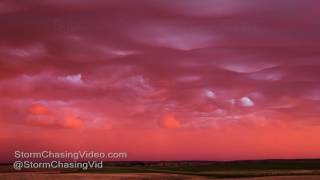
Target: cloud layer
189, 67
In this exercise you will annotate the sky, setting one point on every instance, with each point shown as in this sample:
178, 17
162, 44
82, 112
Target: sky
161, 79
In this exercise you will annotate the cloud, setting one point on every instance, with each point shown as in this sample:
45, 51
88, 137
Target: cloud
39, 109
169, 121
246, 102
121, 67
75, 79
73, 122
179, 57
34, 51
210, 94
173, 36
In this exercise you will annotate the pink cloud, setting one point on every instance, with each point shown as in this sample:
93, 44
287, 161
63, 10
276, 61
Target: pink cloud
162, 70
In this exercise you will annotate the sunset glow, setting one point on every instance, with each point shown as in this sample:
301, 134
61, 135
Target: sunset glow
160, 79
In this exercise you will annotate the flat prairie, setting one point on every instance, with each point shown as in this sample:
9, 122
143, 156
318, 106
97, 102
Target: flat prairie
133, 176
83, 176
233, 170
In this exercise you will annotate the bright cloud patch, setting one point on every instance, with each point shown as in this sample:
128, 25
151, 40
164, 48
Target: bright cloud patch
75, 79
246, 102
210, 94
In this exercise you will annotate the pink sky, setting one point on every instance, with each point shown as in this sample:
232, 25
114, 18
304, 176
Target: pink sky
161, 79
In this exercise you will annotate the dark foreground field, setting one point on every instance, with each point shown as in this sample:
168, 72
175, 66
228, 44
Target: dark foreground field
254, 170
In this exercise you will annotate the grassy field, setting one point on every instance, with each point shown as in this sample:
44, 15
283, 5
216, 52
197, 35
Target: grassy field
193, 169
234, 169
